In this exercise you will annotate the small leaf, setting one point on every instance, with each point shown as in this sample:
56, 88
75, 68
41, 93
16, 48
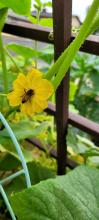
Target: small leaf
32, 19
38, 2
48, 22
73, 88
47, 4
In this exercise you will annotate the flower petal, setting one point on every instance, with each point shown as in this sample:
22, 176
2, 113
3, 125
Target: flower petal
14, 99
39, 105
21, 83
26, 108
44, 89
33, 77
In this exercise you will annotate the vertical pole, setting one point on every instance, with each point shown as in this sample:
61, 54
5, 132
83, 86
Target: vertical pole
62, 14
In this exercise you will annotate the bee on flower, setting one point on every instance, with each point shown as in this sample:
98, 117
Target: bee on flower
31, 92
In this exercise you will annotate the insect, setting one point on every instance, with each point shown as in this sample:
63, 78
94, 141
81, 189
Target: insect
27, 95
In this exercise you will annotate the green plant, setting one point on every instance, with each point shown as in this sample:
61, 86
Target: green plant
25, 127
39, 6
85, 74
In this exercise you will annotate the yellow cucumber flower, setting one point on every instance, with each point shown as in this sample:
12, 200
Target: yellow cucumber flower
31, 92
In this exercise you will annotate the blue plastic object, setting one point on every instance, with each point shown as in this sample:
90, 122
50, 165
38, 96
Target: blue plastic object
23, 171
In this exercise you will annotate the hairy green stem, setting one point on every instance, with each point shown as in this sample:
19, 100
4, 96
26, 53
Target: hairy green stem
3, 15
76, 44
4, 68
54, 69
69, 53
95, 24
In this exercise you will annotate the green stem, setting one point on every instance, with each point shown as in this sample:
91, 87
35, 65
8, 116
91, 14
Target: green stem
36, 43
2, 94
70, 52
95, 24
54, 69
36, 46
76, 44
81, 80
4, 68
3, 16
13, 61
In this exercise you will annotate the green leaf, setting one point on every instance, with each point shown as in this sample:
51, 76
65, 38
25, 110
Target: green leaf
3, 14
6, 144
47, 4
47, 54
32, 19
23, 129
27, 52
24, 51
91, 153
87, 142
9, 148
20, 7
8, 162
73, 88
37, 173
38, 2
48, 22
74, 196
73, 109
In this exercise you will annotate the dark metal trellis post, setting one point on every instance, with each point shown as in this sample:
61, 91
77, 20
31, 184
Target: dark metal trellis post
62, 10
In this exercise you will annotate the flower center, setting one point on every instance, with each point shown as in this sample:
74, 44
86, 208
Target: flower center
27, 96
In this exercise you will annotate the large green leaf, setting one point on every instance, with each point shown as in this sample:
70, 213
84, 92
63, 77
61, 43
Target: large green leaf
71, 197
23, 129
24, 51
9, 148
7, 144
19, 7
8, 162
37, 173
46, 54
